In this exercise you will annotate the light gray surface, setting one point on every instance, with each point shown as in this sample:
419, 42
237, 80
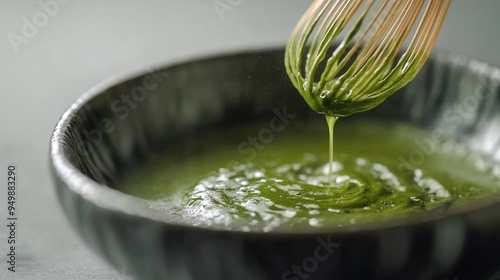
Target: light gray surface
87, 41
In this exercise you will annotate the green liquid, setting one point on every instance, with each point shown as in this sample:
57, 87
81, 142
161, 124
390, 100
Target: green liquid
331, 120
249, 179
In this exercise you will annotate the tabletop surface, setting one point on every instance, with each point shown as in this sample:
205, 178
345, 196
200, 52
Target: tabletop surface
54, 50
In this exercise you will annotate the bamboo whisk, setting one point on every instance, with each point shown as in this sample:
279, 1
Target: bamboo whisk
364, 69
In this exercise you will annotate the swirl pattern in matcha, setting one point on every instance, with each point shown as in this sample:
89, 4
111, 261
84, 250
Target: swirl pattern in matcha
381, 171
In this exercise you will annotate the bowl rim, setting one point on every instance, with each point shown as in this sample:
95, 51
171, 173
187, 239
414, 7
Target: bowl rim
116, 201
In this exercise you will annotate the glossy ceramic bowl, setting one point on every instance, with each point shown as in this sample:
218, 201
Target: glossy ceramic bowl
119, 125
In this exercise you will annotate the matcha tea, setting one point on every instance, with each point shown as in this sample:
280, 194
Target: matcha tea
244, 179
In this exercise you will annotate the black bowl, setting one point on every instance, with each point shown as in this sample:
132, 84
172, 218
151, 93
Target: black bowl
119, 125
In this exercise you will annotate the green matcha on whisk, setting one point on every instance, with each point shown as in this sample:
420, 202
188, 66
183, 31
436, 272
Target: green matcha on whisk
364, 69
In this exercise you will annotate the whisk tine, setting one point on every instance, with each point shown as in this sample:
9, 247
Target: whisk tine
418, 51
329, 72
388, 31
332, 14
335, 22
426, 31
367, 35
374, 42
436, 28
407, 15
304, 29
362, 77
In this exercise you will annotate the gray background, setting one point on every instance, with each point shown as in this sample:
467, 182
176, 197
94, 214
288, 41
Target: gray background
86, 42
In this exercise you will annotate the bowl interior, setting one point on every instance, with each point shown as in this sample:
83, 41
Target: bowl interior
121, 125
